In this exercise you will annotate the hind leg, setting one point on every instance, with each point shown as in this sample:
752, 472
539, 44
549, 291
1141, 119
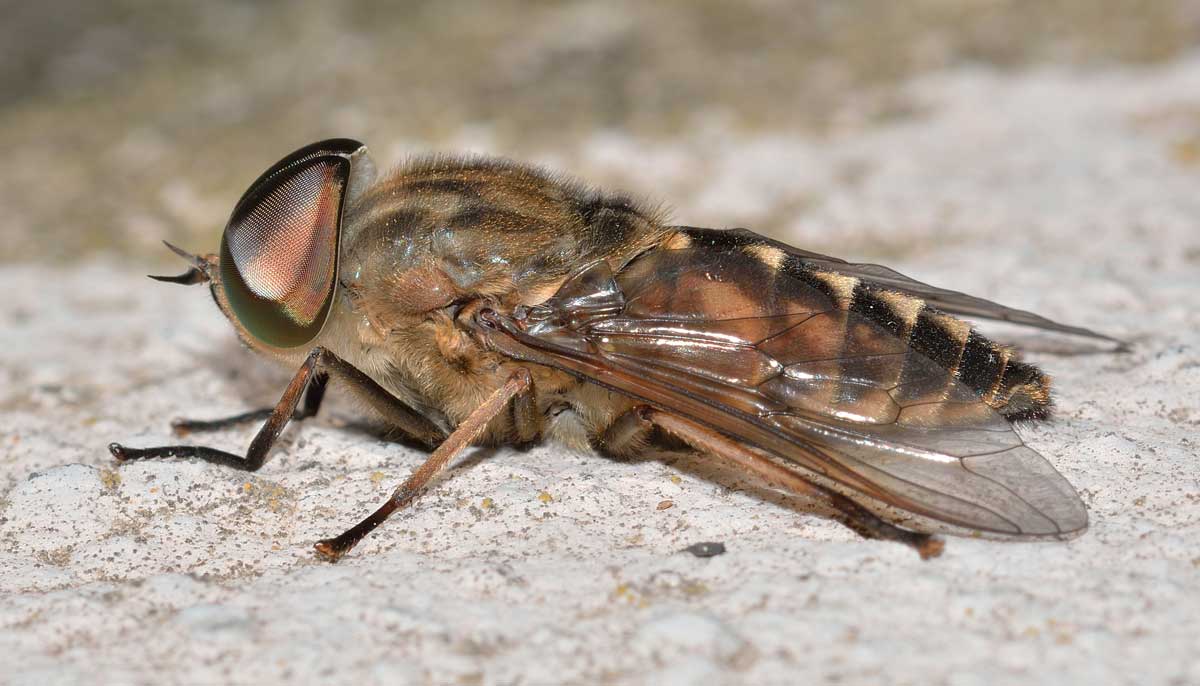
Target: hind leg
630, 431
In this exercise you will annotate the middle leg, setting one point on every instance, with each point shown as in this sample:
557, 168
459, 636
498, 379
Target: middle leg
518, 384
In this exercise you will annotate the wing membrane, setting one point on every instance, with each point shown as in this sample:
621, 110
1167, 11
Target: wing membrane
721, 338
949, 301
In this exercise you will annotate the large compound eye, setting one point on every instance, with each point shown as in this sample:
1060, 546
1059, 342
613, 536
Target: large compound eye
279, 254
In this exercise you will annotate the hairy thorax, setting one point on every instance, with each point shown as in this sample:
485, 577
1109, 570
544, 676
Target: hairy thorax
428, 246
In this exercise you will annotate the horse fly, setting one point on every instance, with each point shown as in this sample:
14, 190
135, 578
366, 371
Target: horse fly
477, 300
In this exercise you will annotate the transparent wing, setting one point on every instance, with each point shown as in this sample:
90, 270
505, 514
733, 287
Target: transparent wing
723, 339
952, 302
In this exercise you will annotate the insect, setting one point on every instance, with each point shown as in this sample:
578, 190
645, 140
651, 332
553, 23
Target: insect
482, 301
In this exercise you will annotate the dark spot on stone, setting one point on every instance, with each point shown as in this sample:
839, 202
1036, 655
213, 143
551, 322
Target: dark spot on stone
706, 549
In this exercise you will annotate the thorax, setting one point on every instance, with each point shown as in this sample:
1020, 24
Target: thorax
442, 236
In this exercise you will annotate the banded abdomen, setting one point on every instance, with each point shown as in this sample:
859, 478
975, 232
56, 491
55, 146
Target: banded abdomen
1018, 390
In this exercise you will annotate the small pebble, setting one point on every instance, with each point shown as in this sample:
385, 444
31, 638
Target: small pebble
707, 549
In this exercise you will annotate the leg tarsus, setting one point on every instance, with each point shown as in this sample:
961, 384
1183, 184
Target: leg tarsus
183, 427
126, 454
869, 525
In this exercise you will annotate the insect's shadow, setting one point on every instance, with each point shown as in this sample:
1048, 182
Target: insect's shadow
256, 381
733, 480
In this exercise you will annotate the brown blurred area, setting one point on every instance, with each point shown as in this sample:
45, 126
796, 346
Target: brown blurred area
129, 121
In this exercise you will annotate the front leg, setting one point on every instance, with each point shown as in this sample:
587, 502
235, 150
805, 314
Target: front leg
320, 362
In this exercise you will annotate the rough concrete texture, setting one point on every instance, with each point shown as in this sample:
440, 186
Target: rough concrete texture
1070, 193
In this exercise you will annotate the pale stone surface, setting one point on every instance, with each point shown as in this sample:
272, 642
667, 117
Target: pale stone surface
1072, 194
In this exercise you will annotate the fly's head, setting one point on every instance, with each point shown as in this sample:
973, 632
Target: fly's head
276, 276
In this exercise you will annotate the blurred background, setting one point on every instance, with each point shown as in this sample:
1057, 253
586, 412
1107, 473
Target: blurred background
129, 121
